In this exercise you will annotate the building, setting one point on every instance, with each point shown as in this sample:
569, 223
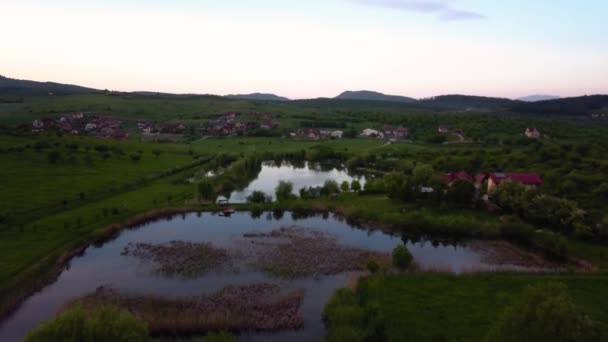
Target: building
532, 133
454, 176
77, 115
529, 179
443, 129
337, 134
371, 133
391, 132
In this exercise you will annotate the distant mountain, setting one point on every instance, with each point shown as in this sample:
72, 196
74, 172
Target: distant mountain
258, 97
468, 102
372, 96
11, 86
570, 106
536, 98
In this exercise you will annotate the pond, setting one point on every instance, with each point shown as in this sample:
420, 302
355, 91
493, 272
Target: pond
309, 175
107, 265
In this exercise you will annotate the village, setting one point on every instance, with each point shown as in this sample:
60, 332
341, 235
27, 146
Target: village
227, 124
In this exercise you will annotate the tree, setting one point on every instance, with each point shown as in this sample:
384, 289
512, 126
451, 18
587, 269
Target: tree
283, 191
156, 153
330, 187
135, 157
544, 312
206, 189
422, 173
258, 197
103, 324
355, 185
344, 187
461, 192
402, 258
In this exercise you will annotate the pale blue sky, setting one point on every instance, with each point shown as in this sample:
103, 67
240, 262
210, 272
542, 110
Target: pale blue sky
312, 48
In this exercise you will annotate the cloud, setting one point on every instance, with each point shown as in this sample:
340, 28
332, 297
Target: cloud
439, 7
451, 14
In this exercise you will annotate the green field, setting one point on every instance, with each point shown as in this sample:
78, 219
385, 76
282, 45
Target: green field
438, 307
59, 191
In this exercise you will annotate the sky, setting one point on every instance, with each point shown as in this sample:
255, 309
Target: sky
312, 48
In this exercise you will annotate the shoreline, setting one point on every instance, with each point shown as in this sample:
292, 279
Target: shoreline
48, 270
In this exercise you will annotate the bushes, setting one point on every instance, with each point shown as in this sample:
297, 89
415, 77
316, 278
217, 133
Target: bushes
330, 187
258, 197
349, 318
545, 312
283, 191
402, 258
205, 189
461, 192
102, 324
556, 213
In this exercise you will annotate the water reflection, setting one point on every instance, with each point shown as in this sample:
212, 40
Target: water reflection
301, 174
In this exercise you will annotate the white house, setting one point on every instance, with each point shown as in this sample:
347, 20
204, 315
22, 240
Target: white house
337, 134
372, 133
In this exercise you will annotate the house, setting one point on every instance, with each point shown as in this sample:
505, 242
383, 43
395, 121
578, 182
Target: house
371, 133
391, 132
454, 176
532, 133
90, 127
221, 200
529, 179
443, 129
337, 134
77, 115
37, 125
266, 125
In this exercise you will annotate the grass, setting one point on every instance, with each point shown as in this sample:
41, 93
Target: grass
439, 307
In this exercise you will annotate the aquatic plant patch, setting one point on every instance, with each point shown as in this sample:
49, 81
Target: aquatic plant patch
259, 307
299, 252
179, 258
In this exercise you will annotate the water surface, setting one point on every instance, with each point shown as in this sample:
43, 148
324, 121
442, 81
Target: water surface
104, 265
308, 175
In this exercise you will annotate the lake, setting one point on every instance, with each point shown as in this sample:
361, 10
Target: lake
105, 265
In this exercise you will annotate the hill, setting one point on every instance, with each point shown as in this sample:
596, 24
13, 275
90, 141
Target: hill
465, 102
572, 106
258, 97
536, 98
373, 96
15, 87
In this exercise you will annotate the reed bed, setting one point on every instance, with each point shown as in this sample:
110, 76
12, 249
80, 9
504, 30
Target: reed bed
503, 253
299, 252
252, 307
179, 258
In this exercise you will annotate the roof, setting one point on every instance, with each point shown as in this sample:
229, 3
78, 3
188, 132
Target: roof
480, 177
454, 176
523, 178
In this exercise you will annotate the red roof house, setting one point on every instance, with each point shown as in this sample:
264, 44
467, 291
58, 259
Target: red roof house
531, 179
454, 176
